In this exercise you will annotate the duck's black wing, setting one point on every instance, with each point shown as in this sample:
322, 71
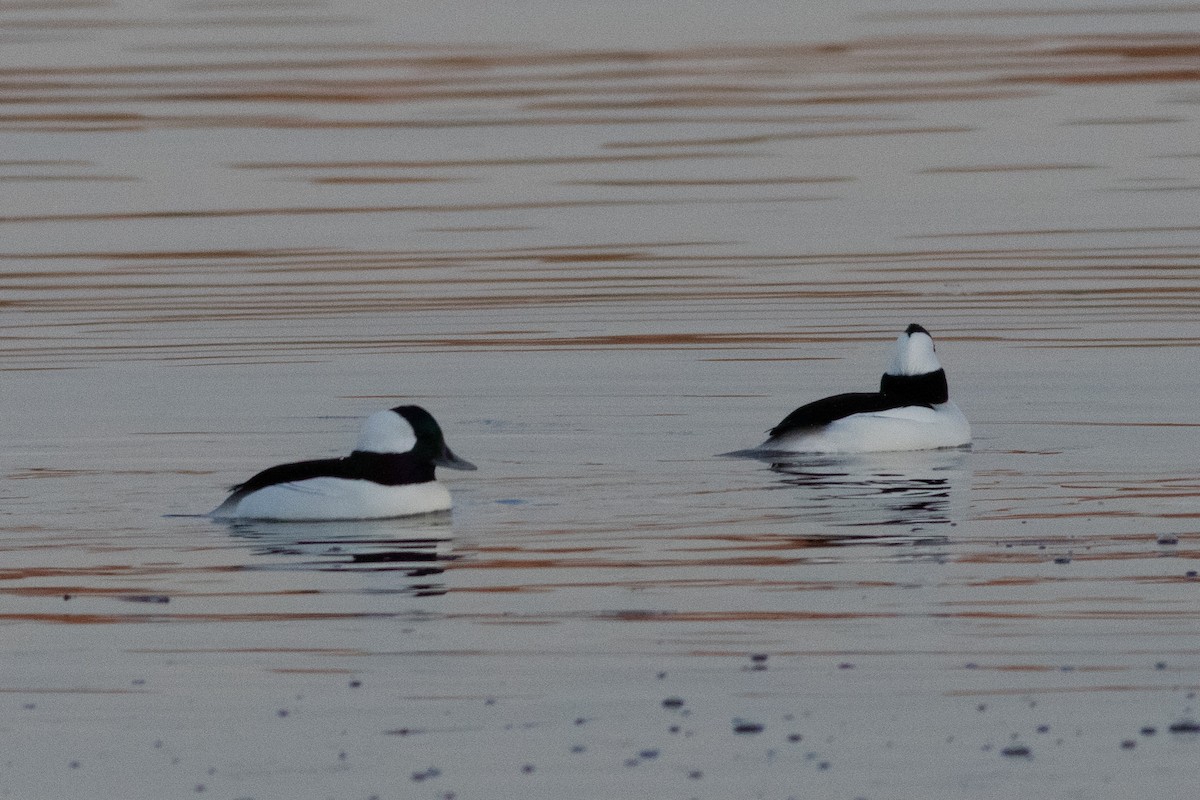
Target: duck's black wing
289, 473
820, 413
389, 469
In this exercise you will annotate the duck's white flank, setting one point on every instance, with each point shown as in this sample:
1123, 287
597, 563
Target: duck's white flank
904, 428
336, 499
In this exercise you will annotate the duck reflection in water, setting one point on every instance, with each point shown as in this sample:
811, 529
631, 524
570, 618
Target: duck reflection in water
418, 549
912, 489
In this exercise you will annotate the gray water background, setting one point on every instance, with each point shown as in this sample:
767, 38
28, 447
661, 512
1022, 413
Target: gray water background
602, 244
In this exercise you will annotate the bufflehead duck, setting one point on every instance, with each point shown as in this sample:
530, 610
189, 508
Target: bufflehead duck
911, 411
389, 474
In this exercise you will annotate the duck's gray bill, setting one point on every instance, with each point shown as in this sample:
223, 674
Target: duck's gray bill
448, 459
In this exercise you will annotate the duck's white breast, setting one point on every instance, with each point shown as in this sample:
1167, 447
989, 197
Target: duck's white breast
905, 428
337, 498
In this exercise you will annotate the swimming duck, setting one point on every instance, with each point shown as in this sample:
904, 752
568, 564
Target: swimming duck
911, 411
388, 474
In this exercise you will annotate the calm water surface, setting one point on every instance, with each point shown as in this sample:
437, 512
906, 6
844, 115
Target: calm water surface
602, 245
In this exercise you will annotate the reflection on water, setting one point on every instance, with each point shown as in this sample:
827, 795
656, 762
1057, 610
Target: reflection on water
419, 548
905, 489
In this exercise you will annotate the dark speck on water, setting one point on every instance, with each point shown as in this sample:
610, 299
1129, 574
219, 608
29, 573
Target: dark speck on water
404, 731
146, 598
427, 774
758, 662
1185, 726
743, 727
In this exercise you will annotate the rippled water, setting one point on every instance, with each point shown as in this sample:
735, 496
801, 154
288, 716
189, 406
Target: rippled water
602, 245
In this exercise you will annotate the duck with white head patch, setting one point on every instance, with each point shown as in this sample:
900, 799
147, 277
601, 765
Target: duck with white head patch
911, 411
389, 474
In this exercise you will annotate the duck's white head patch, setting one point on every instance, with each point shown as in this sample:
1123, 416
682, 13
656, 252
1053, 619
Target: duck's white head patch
386, 432
914, 353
